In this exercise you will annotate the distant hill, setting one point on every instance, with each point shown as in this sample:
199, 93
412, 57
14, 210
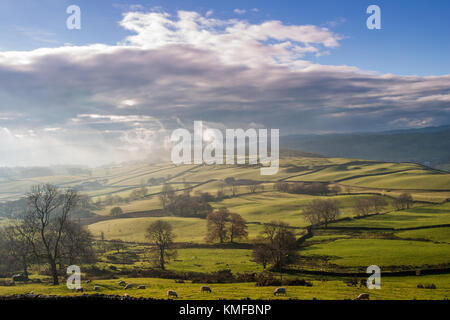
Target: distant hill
428, 146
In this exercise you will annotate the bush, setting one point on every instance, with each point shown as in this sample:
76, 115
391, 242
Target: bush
265, 279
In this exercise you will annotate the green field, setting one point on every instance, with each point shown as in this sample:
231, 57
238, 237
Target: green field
397, 288
381, 252
415, 217
435, 235
346, 246
210, 260
133, 229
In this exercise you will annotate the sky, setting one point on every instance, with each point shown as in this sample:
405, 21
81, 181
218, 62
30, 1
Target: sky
114, 90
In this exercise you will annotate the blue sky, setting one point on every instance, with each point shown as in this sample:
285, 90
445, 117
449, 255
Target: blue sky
137, 70
414, 38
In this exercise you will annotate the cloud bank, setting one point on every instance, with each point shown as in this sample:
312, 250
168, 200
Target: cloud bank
99, 103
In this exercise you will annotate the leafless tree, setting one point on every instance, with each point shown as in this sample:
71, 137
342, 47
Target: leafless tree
216, 224
17, 250
277, 246
404, 201
362, 207
167, 193
321, 211
378, 203
237, 227
47, 216
161, 235
261, 253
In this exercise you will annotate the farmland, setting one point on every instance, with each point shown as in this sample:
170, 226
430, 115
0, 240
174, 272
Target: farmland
397, 240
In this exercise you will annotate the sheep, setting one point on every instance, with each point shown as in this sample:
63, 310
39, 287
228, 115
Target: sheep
363, 296
122, 283
129, 286
279, 291
206, 289
96, 288
172, 293
141, 287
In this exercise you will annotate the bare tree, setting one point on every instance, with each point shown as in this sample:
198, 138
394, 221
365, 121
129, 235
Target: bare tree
362, 207
77, 245
261, 253
277, 245
17, 249
216, 224
48, 214
321, 211
167, 193
378, 203
238, 227
253, 186
161, 235
404, 201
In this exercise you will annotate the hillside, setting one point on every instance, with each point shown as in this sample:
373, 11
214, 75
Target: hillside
429, 146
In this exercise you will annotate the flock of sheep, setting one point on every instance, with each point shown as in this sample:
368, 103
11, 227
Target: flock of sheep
173, 293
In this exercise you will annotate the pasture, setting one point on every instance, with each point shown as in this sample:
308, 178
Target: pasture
392, 288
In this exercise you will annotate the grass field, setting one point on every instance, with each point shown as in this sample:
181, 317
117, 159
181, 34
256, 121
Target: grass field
398, 288
415, 217
133, 229
350, 248
436, 234
381, 252
210, 260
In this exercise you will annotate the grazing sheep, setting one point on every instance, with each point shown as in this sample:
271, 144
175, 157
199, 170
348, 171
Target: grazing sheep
206, 289
279, 291
96, 288
172, 293
129, 286
363, 296
141, 287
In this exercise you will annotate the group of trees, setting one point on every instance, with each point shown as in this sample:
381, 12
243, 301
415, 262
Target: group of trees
321, 211
404, 201
185, 204
224, 225
46, 234
276, 246
365, 206
315, 188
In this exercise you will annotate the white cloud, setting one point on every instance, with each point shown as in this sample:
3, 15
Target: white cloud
100, 103
239, 11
